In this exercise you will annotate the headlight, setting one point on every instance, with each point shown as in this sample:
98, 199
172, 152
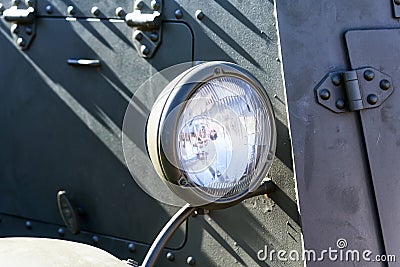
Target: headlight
211, 134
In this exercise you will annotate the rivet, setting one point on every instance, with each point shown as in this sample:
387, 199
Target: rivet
340, 104
369, 75
324, 94
155, 4
336, 79
144, 50
384, 84
1, 9
28, 224
170, 256
15, 2
15, 28
49, 9
21, 42
29, 2
372, 99
199, 14
28, 30
95, 239
217, 70
71, 10
95, 11
138, 35
120, 12
190, 260
154, 37
139, 4
61, 231
132, 247
269, 157
397, 2
178, 14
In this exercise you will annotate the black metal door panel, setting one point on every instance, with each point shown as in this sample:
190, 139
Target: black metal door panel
381, 126
61, 125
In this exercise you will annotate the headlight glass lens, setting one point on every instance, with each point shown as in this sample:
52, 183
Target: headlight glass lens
223, 137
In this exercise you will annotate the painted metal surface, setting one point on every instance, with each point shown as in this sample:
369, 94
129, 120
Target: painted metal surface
381, 127
335, 191
62, 127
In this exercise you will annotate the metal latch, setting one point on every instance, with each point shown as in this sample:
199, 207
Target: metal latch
22, 18
146, 20
344, 91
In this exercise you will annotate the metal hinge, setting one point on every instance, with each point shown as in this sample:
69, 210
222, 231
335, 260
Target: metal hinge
146, 20
344, 91
21, 15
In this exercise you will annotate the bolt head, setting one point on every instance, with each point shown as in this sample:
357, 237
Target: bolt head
372, 99
199, 14
384, 84
144, 50
71, 10
15, 28
28, 224
324, 94
138, 35
95, 11
154, 37
336, 79
21, 42
155, 5
369, 75
120, 12
139, 4
170, 256
49, 9
178, 14
190, 260
132, 247
61, 231
340, 104
95, 239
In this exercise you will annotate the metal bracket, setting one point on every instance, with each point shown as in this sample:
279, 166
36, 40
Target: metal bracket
146, 20
344, 91
21, 15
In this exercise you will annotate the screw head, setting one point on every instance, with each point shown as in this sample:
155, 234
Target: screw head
384, 84
95, 239
28, 30
49, 9
21, 42
139, 4
199, 14
144, 50
369, 75
29, 2
138, 35
190, 260
336, 79
170, 256
15, 28
28, 224
324, 94
372, 99
95, 11
154, 36
132, 247
61, 231
120, 12
71, 10
155, 5
178, 14
397, 2
340, 104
